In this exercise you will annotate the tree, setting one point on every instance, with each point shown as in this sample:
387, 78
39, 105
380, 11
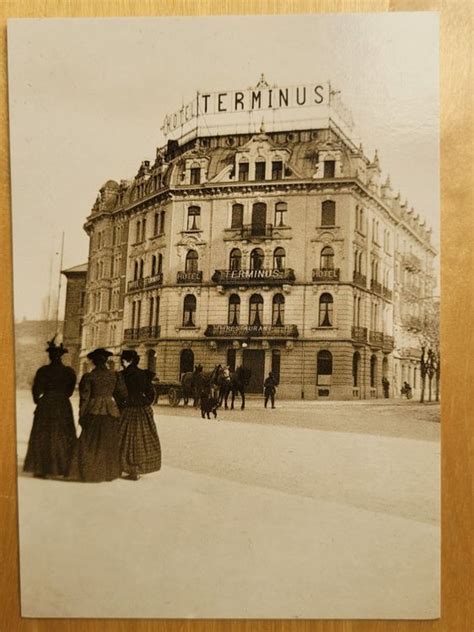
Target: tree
430, 364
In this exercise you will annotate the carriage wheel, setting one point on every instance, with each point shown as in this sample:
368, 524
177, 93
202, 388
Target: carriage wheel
173, 396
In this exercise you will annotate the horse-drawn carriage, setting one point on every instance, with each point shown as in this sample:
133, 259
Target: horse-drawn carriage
194, 384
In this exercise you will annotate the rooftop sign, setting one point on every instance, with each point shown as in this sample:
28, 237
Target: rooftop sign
261, 98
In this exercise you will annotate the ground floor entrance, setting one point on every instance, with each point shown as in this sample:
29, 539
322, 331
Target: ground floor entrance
254, 360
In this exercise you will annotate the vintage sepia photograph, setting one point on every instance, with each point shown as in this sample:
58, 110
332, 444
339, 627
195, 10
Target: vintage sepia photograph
227, 296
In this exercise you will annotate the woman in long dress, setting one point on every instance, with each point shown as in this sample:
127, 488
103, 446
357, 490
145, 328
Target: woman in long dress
96, 456
53, 434
140, 448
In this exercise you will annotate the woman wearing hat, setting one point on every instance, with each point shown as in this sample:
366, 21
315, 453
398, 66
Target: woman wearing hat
140, 449
53, 433
96, 456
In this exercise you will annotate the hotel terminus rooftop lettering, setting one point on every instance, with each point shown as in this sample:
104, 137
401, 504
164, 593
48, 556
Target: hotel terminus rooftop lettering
260, 235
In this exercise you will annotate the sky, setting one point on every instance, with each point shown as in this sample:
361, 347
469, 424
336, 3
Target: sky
87, 98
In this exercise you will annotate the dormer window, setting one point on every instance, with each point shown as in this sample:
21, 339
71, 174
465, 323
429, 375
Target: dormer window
195, 175
260, 170
243, 171
277, 170
329, 168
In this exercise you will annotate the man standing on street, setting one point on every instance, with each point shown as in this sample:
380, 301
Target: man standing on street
269, 389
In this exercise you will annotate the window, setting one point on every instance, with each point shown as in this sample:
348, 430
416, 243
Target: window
329, 168
278, 310
373, 371
192, 261
279, 258
138, 229
234, 309
194, 214
260, 169
256, 259
135, 270
325, 310
82, 300
277, 170
144, 230
189, 311
162, 222
256, 310
195, 175
138, 314
237, 216
280, 213
235, 260
328, 213
259, 218
327, 258
157, 311
324, 368
243, 171
276, 363
159, 269
151, 310
355, 369
156, 224
140, 269
153, 265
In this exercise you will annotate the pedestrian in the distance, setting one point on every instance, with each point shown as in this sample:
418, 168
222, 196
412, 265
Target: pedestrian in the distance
269, 389
96, 456
386, 387
140, 450
53, 434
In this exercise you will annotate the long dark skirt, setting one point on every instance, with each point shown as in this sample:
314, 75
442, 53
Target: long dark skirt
52, 437
140, 449
96, 456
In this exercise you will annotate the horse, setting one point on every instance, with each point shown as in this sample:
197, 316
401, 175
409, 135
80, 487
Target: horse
239, 380
204, 381
187, 386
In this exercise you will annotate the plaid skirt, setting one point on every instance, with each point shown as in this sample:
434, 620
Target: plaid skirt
140, 450
96, 455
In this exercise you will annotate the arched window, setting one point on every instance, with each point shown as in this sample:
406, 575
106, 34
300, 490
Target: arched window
280, 213
194, 216
235, 259
327, 258
324, 368
189, 311
355, 369
278, 310
328, 213
325, 310
186, 362
279, 258
259, 218
256, 259
373, 371
237, 216
192, 261
256, 310
234, 309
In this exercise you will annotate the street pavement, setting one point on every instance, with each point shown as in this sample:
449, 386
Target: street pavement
311, 510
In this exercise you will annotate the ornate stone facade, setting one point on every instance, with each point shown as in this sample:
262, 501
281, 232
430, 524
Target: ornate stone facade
279, 250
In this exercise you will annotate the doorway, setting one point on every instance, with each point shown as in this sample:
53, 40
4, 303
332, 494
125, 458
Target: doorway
254, 359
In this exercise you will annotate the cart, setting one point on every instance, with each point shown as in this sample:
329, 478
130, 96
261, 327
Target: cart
172, 390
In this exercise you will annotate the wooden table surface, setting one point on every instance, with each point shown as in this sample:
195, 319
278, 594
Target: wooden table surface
457, 256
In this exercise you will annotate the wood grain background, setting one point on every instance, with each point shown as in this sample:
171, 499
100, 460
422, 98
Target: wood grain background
457, 204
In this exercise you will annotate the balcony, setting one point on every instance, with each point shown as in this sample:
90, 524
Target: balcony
251, 331
387, 294
360, 280
150, 333
189, 278
131, 334
136, 284
324, 276
264, 276
376, 287
359, 334
249, 231
153, 281
142, 333
376, 338
411, 262
388, 343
